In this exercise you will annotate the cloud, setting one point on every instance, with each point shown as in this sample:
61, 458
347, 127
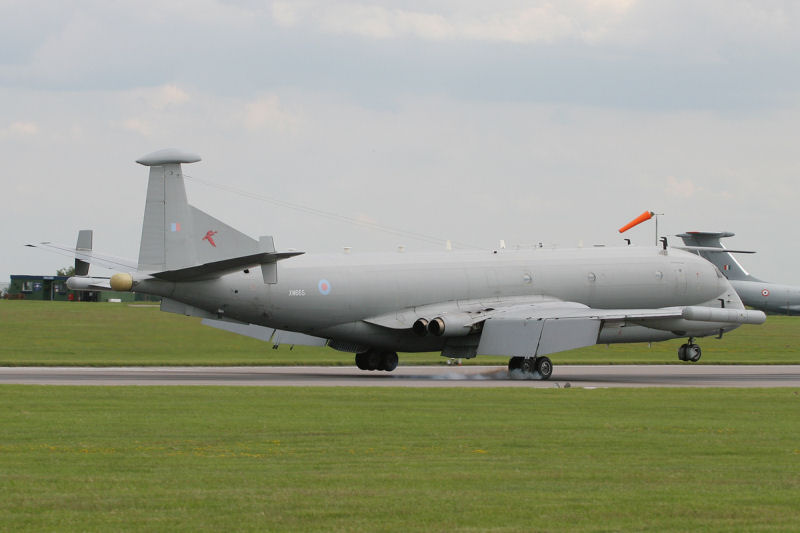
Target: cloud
481, 119
19, 130
681, 188
266, 112
362, 20
514, 22
613, 53
99, 44
137, 125
168, 95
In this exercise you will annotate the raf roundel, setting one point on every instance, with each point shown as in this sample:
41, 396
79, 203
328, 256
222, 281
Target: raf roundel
765, 293
324, 287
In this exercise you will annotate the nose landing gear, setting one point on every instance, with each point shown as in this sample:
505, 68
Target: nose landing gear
689, 351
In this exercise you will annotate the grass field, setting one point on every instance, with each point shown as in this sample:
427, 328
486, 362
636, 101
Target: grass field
338, 459
345, 459
71, 333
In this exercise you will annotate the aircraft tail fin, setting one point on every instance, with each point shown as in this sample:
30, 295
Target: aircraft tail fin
83, 248
176, 235
706, 244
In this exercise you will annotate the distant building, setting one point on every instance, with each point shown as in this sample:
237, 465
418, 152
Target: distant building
24, 287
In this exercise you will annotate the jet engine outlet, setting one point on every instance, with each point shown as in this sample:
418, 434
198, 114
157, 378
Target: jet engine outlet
456, 325
420, 327
121, 282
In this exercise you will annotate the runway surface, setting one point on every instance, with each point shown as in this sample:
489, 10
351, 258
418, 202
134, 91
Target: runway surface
415, 376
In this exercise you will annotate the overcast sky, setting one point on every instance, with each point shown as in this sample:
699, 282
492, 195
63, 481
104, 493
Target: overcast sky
552, 122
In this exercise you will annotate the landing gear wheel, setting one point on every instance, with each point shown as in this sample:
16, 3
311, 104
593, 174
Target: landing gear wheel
545, 367
682, 352
373, 360
389, 362
515, 363
528, 366
693, 353
689, 352
376, 360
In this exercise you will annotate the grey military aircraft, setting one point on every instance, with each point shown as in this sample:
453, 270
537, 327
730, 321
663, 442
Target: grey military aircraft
522, 304
770, 297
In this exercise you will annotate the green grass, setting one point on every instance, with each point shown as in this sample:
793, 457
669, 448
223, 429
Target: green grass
343, 459
72, 333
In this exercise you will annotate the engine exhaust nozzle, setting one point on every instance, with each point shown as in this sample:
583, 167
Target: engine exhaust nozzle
420, 327
436, 327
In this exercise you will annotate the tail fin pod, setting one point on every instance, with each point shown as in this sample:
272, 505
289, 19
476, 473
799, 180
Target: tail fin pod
710, 239
175, 234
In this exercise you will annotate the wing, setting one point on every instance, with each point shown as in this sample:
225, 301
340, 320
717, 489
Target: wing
266, 334
529, 326
540, 329
478, 310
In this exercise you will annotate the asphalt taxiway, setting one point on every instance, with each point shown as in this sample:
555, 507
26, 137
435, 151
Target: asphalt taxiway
586, 376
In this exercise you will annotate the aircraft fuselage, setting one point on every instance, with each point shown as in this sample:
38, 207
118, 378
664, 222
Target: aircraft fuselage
331, 295
769, 297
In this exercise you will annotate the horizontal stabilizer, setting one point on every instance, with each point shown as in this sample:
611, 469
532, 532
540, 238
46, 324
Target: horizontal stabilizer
713, 250
89, 256
216, 269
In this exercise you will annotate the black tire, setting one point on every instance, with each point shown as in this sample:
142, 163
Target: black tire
682, 355
515, 363
373, 360
693, 353
389, 361
544, 366
528, 366
361, 361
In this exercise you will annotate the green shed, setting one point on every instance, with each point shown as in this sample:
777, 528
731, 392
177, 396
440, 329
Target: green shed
24, 287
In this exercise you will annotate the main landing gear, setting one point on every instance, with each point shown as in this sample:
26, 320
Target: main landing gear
689, 351
376, 360
532, 365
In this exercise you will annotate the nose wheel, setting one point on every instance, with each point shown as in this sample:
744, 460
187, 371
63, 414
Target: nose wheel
690, 351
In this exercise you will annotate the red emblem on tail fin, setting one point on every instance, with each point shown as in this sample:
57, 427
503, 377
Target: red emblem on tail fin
210, 238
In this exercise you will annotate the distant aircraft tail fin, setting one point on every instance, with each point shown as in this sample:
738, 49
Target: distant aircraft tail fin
176, 235
83, 248
705, 244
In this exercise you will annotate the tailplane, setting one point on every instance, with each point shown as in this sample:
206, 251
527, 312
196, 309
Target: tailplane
707, 245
